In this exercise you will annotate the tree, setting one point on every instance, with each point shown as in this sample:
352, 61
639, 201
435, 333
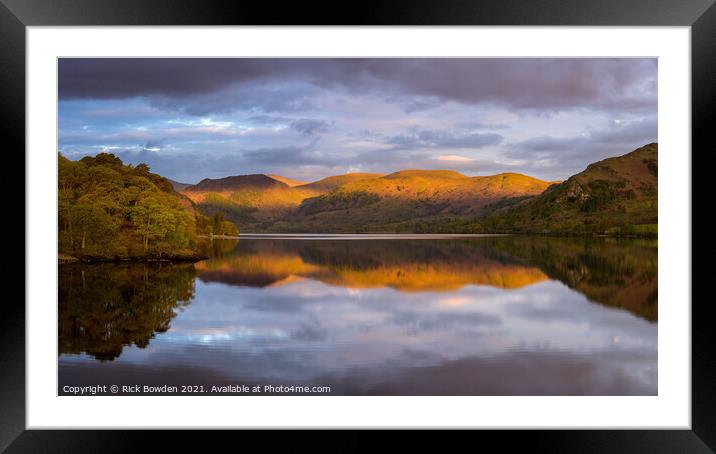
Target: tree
217, 219
92, 226
108, 210
215, 225
151, 219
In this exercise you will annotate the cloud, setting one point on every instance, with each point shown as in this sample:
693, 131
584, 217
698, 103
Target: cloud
639, 131
153, 145
453, 158
307, 126
202, 86
569, 155
444, 139
309, 118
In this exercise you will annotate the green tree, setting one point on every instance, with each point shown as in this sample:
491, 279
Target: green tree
92, 226
109, 210
151, 219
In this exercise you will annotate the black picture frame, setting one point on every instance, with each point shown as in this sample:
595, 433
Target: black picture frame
16, 15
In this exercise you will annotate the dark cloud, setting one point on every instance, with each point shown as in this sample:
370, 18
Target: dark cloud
116, 78
259, 97
201, 86
309, 118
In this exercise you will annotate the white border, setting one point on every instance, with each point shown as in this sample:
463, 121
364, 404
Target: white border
670, 409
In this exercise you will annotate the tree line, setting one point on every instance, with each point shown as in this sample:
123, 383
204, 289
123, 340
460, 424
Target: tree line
108, 210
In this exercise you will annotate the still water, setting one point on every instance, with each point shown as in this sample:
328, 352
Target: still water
386, 315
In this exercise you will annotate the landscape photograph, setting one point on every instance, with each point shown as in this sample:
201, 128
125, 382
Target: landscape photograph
357, 226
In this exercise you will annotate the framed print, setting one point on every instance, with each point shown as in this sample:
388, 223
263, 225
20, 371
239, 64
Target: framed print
423, 217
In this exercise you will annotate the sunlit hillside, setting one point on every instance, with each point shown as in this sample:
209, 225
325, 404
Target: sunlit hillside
616, 195
355, 201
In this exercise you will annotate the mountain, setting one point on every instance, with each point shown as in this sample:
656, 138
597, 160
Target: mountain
617, 195
355, 201
235, 183
246, 199
289, 181
614, 196
178, 187
383, 203
330, 183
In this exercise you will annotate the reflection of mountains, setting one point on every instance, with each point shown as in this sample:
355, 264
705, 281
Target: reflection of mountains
405, 265
614, 273
105, 307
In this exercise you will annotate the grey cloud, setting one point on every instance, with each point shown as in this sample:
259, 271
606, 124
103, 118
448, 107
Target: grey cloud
445, 139
482, 126
153, 145
639, 131
199, 86
252, 98
569, 155
307, 126
304, 126
288, 156
260, 115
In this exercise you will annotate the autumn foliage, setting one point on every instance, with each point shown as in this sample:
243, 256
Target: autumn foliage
112, 211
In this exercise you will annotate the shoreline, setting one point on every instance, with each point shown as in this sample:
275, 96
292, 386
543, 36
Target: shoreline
64, 259
267, 235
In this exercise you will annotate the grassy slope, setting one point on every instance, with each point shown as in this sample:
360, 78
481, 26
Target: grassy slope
289, 181
251, 199
330, 183
616, 195
380, 203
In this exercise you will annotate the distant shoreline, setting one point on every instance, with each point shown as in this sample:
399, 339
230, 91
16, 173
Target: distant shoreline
64, 259
412, 235
352, 235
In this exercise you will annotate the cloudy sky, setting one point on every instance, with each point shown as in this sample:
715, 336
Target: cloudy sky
191, 119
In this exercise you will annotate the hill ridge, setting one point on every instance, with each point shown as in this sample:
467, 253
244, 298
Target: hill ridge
610, 194
617, 195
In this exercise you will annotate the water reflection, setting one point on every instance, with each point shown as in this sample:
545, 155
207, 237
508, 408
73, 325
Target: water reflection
494, 315
405, 265
620, 273
105, 307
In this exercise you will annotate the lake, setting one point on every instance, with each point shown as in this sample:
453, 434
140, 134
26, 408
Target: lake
368, 315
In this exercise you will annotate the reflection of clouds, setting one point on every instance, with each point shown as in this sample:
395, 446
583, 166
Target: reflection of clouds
307, 329
454, 301
581, 317
419, 323
343, 322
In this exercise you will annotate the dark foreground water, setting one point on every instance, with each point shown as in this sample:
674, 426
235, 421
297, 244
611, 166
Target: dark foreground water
417, 316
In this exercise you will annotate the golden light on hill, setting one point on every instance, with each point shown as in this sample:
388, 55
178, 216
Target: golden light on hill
440, 276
